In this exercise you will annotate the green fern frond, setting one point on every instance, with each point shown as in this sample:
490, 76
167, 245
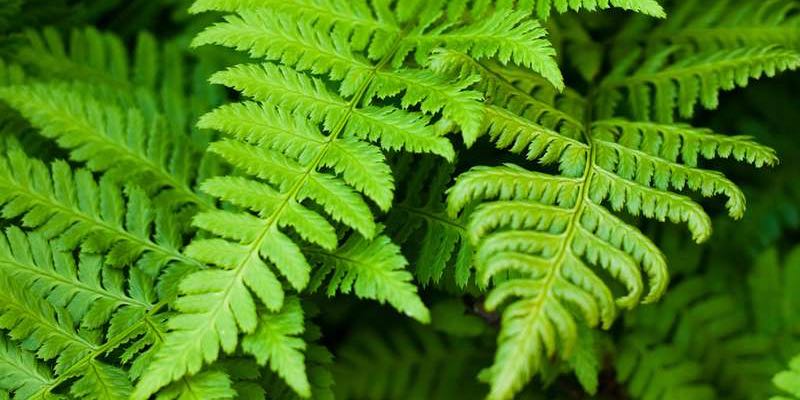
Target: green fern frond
287, 182
51, 335
549, 231
730, 24
210, 384
274, 342
543, 8
662, 372
92, 56
661, 85
78, 210
407, 363
124, 143
730, 345
21, 373
370, 268
90, 293
46, 294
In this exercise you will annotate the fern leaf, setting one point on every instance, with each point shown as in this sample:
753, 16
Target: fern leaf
78, 210
102, 381
22, 374
90, 294
211, 385
406, 363
543, 8
274, 342
551, 229
436, 244
50, 333
372, 269
109, 139
660, 86
506, 36
729, 24
394, 128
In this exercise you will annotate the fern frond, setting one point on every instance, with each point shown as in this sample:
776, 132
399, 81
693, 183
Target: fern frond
662, 372
660, 86
734, 343
90, 294
544, 8
730, 24
210, 384
550, 231
92, 56
406, 363
21, 373
51, 335
370, 268
51, 292
78, 210
287, 173
126, 144
274, 341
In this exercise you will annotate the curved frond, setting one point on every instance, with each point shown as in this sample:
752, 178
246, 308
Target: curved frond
664, 84
72, 206
125, 143
373, 269
544, 238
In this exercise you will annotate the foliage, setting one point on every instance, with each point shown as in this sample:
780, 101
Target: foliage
190, 191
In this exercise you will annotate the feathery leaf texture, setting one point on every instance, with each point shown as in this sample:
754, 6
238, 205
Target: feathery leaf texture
663, 84
72, 206
298, 141
57, 308
543, 236
183, 254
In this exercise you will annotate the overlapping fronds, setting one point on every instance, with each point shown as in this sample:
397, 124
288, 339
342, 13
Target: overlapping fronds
305, 149
712, 344
730, 24
59, 309
125, 143
74, 207
555, 233
659, 86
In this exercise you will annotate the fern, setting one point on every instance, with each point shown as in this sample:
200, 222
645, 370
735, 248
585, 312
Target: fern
57, 308
513, 174
550, 230
714, 343
74, 207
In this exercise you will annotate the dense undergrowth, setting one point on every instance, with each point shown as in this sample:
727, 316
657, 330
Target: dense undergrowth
399, 199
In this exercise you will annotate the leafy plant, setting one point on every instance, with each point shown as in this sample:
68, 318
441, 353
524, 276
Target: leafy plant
183, 209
